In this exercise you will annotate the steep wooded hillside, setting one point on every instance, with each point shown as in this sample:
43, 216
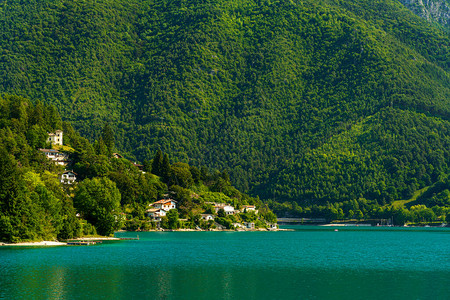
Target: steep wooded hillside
260, 88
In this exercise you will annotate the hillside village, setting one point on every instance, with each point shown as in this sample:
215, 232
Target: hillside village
159, 209
162, 214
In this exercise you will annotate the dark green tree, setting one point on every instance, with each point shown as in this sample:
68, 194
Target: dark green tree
108, 137
157, 163
98, 200
221, 213
166, 169
196, 174
173, 219
147, 166
100, 147
181, 175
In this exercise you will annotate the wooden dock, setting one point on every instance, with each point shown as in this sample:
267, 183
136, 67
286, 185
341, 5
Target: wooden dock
129, 238
83, 243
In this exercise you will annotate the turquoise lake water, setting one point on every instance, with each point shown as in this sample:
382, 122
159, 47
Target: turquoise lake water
308, 263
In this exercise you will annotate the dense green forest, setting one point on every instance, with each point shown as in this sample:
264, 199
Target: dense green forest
110, 192
301, 101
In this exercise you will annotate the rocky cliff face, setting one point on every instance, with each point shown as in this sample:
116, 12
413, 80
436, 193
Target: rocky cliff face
432, 10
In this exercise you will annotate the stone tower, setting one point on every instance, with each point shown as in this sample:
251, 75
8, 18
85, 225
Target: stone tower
56, 138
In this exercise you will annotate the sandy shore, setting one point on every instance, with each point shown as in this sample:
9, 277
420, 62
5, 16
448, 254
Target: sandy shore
53, 243
43, 243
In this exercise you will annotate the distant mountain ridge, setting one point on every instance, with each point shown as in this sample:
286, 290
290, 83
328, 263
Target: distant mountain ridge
260, 88
432, 10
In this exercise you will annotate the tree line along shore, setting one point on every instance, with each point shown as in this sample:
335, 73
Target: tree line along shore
62, 189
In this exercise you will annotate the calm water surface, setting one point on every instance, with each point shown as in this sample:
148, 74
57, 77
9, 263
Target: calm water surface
308, 263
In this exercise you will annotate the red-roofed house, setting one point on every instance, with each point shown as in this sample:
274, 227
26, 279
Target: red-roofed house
165, 204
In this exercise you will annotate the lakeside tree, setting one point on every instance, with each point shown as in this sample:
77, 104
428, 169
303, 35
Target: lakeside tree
173, 219
98, 200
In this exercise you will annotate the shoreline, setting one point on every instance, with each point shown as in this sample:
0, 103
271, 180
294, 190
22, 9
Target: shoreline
212, 230
57, 243
42, 243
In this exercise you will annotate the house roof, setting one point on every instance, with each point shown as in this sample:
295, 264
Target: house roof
65, 172
223, 206
152, 210
49, 150
117, 155
164, 201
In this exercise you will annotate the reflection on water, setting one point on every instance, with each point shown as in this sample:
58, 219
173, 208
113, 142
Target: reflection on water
289, 265
56, 283
164, 287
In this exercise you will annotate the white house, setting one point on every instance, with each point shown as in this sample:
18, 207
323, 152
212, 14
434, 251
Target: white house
272, 226
207, 217
156, 213
68, 177
56, 138
229, 210
57, 157
249, 225
247, 208
165, 204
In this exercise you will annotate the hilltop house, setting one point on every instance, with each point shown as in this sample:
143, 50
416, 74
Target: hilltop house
56, 138
68, 177
57, 157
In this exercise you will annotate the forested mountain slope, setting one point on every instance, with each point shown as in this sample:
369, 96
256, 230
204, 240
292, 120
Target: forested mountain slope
261, 88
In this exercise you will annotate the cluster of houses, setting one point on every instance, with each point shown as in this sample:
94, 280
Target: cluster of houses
62, 159
59, 158
160, 208
229, 210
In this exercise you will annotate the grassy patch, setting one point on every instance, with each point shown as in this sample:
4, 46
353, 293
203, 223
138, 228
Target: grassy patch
401, 203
